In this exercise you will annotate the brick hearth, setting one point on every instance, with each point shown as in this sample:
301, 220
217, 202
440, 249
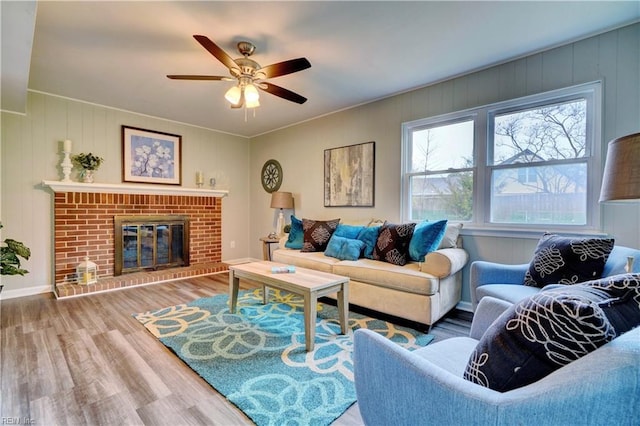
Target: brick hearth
84, 226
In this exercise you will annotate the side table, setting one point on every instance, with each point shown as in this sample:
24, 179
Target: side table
266, 246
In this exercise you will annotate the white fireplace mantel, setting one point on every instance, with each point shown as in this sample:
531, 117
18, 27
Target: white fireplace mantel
111, 188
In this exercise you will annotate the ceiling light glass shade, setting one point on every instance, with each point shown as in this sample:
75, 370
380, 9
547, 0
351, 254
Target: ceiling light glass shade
621, 179
251, 94
252, 104
233, 95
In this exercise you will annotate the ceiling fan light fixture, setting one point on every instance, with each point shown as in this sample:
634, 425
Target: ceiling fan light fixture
251, 94
252, 104
233, 95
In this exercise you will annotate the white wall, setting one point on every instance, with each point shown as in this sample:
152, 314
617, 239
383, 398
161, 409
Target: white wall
613, 57
31, 152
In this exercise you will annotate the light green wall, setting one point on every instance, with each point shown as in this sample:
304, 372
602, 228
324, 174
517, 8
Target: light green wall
613, 57
31, 153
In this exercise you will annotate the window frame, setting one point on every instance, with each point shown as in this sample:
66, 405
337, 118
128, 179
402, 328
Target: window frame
483, 133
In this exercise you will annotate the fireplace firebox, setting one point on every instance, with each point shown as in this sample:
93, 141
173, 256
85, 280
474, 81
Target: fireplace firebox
149, 243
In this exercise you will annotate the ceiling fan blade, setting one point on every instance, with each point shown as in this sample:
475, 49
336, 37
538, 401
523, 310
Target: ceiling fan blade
199, 77
216, 51
284, 68
282, 92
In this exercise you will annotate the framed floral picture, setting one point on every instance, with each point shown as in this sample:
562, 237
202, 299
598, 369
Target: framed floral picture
151, 157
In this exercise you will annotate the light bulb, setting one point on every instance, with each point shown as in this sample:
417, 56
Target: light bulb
251, 94
233, 95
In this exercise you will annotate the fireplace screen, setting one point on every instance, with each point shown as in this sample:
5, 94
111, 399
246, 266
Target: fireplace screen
150, 242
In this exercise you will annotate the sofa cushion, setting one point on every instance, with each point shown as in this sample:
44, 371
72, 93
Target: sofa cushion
405, 278
317, 233
548, 330
313, 260
510, 292
296, 234
393, 241
566, 260
369, 236
344, 248
426, 238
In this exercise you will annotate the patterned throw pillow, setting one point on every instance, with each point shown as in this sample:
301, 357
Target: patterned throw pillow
296, 234
392, 245
564, 260
548, 330
317, 233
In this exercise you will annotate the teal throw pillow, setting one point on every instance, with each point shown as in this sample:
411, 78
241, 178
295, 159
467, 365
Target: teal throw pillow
296, 234
369, 236
426, 238
348, 231
344, 248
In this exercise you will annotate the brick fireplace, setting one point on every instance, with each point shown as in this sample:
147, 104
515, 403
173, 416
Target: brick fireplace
84, 226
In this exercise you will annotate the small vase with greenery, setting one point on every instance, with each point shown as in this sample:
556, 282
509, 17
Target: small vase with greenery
10, 253
88, 163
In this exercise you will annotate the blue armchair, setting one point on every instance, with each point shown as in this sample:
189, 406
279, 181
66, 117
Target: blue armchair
506, 281
426, 387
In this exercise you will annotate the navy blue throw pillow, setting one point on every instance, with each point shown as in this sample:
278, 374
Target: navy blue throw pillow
552, 328
565, 260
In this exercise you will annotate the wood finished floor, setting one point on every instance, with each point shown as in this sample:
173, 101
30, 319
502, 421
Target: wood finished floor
87, 361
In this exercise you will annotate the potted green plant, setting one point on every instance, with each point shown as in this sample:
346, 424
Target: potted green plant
10, 253
88, 163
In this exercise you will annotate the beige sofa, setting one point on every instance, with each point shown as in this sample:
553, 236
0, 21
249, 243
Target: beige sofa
422, 292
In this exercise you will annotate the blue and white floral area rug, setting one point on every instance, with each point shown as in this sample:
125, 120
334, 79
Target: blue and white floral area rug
257, 359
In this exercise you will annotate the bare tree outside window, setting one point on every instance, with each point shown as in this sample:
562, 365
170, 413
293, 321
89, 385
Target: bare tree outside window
546, 144
442, 180
518, 164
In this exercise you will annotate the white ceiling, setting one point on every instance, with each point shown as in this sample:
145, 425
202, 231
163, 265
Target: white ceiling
118, 53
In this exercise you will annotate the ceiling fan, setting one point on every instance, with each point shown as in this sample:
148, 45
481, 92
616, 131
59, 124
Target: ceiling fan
249, 74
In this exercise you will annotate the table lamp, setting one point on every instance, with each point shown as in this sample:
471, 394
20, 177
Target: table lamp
281, 200
621, 178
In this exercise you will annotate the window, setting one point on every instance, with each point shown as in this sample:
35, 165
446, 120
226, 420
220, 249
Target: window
525, 163
440, 175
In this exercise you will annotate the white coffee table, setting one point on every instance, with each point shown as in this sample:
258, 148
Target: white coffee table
307, 283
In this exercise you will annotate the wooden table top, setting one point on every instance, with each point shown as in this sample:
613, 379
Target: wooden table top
302, 277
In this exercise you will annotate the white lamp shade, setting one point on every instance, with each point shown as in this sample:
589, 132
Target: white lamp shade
233, 95
251, 94
621, 178
252, 104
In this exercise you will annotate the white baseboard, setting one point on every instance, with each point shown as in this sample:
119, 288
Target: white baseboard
22, 292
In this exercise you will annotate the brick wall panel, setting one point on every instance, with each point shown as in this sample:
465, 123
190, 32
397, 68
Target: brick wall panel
84, 226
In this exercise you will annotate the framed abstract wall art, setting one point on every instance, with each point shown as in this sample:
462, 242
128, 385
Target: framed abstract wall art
349, 176
151, 157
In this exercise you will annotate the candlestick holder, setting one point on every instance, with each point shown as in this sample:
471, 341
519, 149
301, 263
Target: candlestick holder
199, 179
67, 166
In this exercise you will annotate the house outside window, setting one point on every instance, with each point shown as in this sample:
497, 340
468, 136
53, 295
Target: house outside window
525, 164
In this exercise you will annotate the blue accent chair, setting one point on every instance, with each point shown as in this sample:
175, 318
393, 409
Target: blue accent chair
506, 281
395, 386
